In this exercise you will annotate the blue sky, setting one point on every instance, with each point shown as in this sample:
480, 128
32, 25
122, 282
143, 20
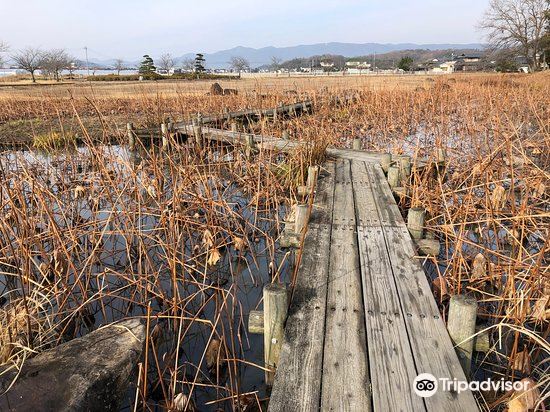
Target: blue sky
130, 28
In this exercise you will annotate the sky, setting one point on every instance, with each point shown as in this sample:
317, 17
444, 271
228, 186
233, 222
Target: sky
130, 28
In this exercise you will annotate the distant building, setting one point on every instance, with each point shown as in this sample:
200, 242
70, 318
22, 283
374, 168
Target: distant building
448, 67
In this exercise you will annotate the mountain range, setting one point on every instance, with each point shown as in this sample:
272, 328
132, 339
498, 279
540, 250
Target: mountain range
262, 56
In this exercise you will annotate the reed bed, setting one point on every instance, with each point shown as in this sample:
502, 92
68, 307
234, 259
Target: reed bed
175, 237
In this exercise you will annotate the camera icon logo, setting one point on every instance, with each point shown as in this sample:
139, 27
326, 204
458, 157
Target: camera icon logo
425, 385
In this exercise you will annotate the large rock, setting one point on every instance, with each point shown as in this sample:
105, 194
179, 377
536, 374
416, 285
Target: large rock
216, 90
91, 373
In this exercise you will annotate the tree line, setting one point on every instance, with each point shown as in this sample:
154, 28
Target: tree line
32, 59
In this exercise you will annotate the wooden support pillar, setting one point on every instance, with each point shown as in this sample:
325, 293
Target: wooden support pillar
301, 218
385, 162
415, 222
164, 135
197, 130
356, 144
256, 322
275, 312
428, 247
312, 174
131, 135
393, 176
404, 164
250, 145
461, 325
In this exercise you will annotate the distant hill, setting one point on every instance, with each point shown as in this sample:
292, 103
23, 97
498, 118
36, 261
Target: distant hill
262, 56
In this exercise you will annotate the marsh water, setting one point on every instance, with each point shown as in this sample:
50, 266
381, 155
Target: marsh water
216, 297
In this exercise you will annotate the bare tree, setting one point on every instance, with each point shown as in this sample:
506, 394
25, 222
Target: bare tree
119, 65
239, 64
54, 61
166, 62
3, 48
29, 59
188, 64
516, 24
276, 62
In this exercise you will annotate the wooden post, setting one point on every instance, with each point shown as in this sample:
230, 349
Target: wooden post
428, 247
461, 325
256, 322
385, 162
197, 130
301, 218
286, 135
393, 176
275, 311
131, 136
234, 127
312, 174
250, 145
164, 134
356, 144
404, 164
415, 222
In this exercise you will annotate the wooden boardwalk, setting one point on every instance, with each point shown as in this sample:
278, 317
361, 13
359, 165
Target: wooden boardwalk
363, 322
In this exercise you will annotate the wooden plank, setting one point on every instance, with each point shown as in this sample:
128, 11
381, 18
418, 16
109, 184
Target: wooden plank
365, 204
345, 382
298, 379
297, 384
321, 213
391, 363
388, 211
431, 346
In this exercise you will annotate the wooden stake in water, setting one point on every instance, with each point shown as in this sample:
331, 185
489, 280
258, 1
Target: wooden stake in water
385, 162
164, 134
275, 312
301, 218
462, 326
312, 174
197, 130
415, 222
404, 164
393, 176
131, 136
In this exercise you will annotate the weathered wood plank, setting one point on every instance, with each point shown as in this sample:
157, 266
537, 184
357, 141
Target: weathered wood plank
431, 345
388, 211
298, 379
345, 382
321, 213
365, 204
390, 357
297, 384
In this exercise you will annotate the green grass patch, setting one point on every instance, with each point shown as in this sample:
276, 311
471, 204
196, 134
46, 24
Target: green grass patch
54, 140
